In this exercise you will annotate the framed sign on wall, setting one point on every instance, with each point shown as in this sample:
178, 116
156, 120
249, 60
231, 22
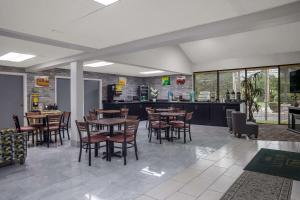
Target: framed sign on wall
41, 81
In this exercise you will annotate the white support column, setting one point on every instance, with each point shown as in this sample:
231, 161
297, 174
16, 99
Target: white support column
77, 94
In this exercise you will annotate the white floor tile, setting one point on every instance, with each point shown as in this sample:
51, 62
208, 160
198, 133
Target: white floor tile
225, 162
143, 197
187, 175
180, 196
165, 189
222, 184
198, 185
296, 190
210, 195
234, 171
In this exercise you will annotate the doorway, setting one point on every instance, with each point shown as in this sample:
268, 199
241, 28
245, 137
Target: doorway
13, 101
92, 94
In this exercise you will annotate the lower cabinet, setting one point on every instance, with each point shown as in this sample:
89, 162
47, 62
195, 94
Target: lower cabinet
211, 114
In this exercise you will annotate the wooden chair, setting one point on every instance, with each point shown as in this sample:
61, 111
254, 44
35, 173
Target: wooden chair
87, 140
65, 124
182, 126
53, 127
123, 114
37, 123
24, 129
157, 125
128, 137
132, 117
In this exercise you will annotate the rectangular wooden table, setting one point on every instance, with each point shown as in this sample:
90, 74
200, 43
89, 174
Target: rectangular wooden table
110, 113
111, 122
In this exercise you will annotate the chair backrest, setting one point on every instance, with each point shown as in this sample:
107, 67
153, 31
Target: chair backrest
132, 117
124, 112
17, 123
83, 127
56, 119
28, 114
66, 117
238, 121
92, 116
154, 117
188, 116
131, 127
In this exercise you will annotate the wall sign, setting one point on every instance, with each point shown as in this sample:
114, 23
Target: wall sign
41, 81
180, 80
122, 81
165, 80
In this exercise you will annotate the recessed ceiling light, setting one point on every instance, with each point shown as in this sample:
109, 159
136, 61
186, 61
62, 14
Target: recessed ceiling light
106, 2
152, 72
99, 64
16, 57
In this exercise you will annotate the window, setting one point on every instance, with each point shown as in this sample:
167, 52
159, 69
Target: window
206, 85
267, 82
286, 97
231, 81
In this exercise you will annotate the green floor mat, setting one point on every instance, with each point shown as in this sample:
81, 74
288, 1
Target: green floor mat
277, 163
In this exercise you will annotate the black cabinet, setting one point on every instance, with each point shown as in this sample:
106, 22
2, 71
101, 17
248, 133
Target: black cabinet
212, 114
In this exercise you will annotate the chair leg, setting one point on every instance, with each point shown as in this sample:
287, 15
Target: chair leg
49, 137
150, 135
190, 133
124, 150
32, 135
159, 135
68, 133
63, 132
90, 154
80, 152
96, 149
61, 142
184, 136
136, 151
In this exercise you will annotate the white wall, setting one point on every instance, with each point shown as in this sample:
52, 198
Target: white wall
255, 61
170, 58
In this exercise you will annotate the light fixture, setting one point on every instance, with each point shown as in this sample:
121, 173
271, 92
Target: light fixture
99, 64
152, 72
16, 57
106, 2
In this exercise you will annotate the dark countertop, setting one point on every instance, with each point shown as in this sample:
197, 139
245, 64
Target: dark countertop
171, 102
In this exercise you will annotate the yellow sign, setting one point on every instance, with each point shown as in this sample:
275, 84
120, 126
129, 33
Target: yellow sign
41, 81
119, 88
122, 81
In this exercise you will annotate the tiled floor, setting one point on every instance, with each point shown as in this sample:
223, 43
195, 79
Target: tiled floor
221, 169
202, 169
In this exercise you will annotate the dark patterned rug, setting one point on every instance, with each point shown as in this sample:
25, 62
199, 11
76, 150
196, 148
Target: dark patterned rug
257, 186
277, 133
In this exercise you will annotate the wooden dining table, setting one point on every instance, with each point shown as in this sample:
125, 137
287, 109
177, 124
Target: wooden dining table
110, 122
41, 119
164, 109
110, 113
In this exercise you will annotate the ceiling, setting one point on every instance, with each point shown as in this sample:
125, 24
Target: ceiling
86, 22
122, 69
44, 53
274, 40
59, 31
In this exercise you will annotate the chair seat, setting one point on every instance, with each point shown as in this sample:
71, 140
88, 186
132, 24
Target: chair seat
51, 128
176, 122
95, 139
160, 126
178, 125
27, 129
120, 138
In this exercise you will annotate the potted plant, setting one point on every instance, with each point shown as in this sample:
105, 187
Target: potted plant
251, 93
154, 93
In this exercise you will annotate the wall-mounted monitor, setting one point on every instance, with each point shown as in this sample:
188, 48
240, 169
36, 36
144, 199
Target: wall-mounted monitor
295, 81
